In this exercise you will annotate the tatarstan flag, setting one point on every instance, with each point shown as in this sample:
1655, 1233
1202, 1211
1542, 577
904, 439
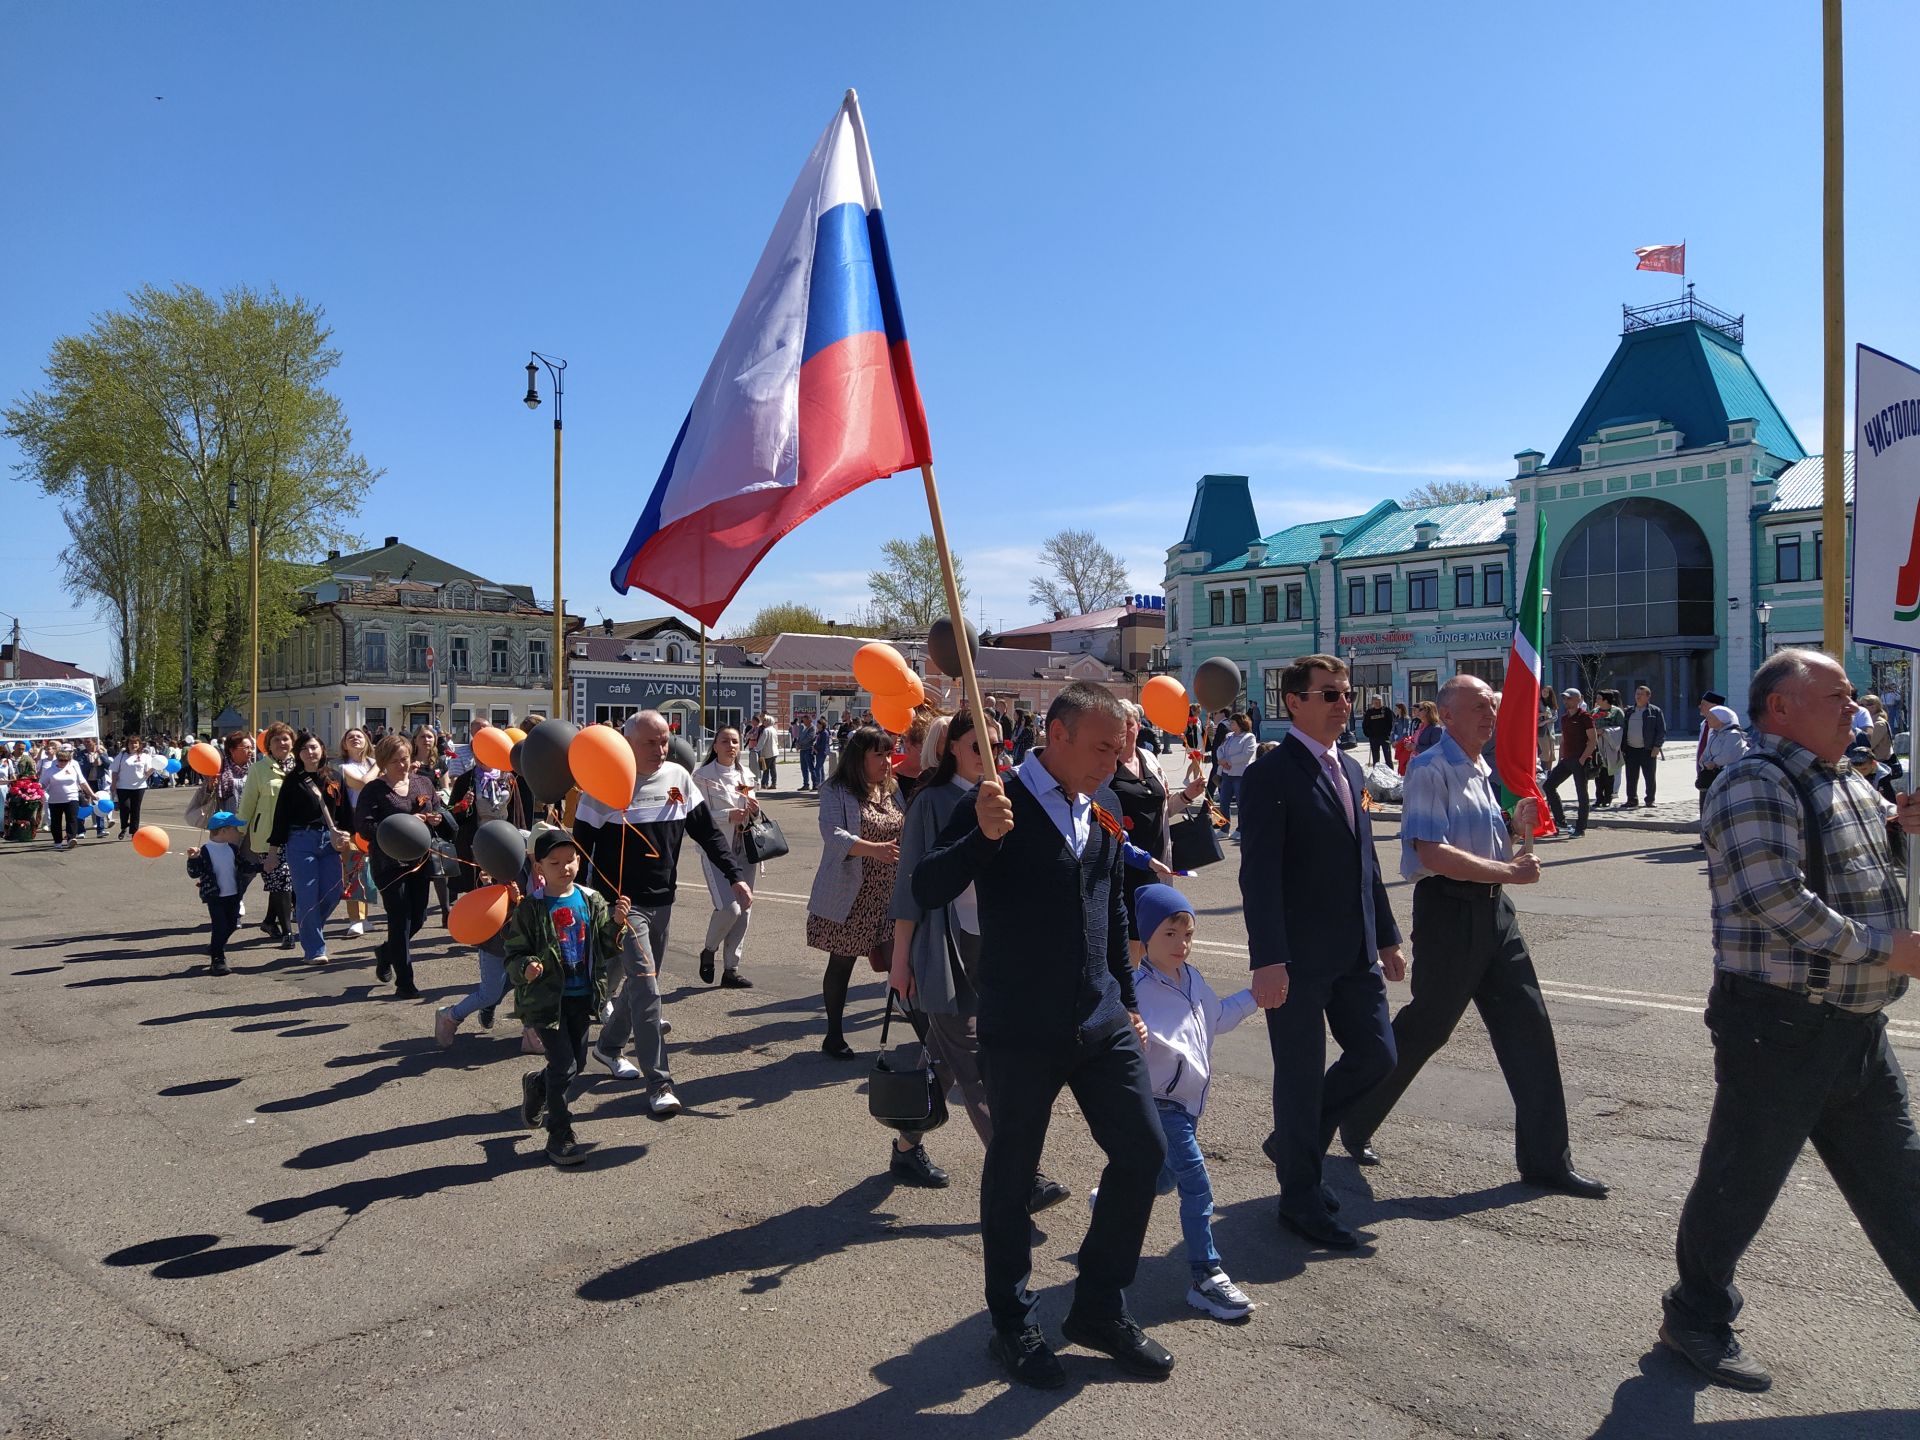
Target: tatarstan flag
1516, 741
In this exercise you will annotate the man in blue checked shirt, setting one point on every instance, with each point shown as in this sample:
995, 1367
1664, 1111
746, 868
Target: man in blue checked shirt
1467, 946
1810, 945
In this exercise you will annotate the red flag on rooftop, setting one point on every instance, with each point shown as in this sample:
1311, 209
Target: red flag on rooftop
1670, 258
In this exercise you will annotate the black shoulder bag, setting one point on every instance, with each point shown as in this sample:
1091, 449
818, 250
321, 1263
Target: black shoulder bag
908, 1098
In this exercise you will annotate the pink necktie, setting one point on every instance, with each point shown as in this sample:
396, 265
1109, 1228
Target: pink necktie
1339, 785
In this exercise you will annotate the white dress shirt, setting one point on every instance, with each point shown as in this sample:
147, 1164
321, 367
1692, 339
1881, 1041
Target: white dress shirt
1072, 815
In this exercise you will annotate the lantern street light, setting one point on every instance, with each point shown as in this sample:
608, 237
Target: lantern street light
557, 369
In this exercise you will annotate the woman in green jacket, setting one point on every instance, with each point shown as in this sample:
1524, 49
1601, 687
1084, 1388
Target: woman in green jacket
258, 797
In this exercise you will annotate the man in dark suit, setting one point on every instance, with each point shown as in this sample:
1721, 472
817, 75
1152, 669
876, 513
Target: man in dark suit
1042, 850
1320, 932
1640, 746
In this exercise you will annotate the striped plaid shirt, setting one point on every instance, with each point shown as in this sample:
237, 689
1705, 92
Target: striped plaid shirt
1765, 919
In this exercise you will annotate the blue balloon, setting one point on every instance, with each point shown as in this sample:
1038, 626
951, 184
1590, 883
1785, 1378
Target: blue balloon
85, 812
173, 767
104, 805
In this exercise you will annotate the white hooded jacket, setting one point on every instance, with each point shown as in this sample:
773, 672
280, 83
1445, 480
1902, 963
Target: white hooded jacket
1182, 1016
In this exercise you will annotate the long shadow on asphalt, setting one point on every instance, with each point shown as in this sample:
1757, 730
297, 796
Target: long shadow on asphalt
418, 1058
1659, 1402
754, 1086
104, 935
940, 1371
769, 1250
349, 1149
502, 1154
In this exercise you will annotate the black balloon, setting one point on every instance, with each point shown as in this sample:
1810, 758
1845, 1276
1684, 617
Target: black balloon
543, 760
500, 850
681, 753
513, 758
943, 652
1216, 684
403, 838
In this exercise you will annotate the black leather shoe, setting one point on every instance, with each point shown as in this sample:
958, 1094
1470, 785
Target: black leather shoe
1045, 1194
1138, 1353
1360, 1150
1026, 1356
734, 980
914, 1167
1719, 1357
836, 1047
1322, 1230
1569, 1182
1331, 1200
706, 967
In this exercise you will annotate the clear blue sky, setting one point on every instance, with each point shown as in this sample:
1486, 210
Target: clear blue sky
1338, 248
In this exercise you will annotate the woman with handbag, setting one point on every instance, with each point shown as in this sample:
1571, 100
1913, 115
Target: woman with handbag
727, 785
1146, 812
312, 825
356, 769
428, 764
400, 790
257, 800
860, 824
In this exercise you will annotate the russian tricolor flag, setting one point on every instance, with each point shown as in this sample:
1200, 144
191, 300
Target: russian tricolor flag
811, 394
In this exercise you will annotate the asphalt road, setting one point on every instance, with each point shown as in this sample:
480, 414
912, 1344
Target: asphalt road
267, 1205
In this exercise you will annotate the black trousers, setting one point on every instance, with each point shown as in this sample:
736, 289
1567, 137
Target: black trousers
129, 810
223, 916
1786, 1072
61, 819
566, 1046
1379, 752
1470, 951
1638, 762
1311, 1101
1108, 1078
405, 901
1560, 772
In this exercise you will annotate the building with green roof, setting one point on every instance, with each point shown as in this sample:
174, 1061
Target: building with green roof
1683, 532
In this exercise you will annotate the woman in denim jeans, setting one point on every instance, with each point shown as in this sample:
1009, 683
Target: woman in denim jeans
312, 828
1235, 754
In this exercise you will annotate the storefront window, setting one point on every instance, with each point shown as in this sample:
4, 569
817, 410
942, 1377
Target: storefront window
1370, 680
1422, 685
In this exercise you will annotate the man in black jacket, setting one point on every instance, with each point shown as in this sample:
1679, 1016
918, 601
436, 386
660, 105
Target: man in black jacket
1640, 747
1320, 934
1043, 852
1377, 726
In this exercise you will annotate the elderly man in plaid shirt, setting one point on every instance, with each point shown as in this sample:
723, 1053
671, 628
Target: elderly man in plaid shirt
1810, 946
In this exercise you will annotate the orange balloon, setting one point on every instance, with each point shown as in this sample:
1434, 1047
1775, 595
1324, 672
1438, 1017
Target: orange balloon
260, 743
203, 759
515, 735
894, 713
150, 841
916, 692
602, 765
478, 915
881, 669
1165, 701
360, 843
492, 748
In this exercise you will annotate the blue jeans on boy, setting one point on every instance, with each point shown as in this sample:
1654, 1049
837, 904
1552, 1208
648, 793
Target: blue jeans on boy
317, 886
1186, 1171
491, 989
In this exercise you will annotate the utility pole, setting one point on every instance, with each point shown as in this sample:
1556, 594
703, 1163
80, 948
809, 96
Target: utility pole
188, 719
1833, 598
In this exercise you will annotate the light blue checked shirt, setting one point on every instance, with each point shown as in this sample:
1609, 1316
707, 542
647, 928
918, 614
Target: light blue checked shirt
1449, 798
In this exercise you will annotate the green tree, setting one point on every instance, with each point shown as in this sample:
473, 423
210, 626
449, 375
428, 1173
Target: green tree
790, 618
1452, 492
908, 591
1086, 575
148, 423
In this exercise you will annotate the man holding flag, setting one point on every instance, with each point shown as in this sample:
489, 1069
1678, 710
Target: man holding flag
1455, 845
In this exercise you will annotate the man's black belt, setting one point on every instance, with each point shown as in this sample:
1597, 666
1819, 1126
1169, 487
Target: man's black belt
1767, 993
1461, 889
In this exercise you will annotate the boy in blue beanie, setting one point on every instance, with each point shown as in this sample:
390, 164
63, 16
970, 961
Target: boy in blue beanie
1182, 1015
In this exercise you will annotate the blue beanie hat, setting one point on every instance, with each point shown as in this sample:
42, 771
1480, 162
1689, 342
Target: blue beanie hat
1152, 904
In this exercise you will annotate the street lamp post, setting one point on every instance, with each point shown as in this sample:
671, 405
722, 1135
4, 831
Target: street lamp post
253, 594
1763, 612
557, 369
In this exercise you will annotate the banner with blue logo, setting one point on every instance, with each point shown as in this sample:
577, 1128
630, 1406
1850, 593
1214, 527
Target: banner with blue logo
48, 710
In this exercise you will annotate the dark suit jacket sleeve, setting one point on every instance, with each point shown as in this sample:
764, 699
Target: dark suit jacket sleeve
1656, 728
957, 858
1119, 955
1386, 931
1263, 830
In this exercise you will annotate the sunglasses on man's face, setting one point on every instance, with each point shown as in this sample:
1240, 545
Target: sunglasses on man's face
1331, 694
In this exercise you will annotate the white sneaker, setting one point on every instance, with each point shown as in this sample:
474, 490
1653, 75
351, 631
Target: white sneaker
1220, 1297
243, 909
1093, 1197
662, 1101
617, 1066
356, 929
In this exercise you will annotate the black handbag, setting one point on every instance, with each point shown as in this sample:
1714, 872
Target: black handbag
1196, 840
763, 839
905, 1096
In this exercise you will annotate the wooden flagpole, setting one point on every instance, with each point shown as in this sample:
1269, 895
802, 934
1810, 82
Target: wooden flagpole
969, 679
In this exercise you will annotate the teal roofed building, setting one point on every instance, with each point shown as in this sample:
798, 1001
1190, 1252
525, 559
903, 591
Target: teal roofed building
1683, 520
1684, 543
